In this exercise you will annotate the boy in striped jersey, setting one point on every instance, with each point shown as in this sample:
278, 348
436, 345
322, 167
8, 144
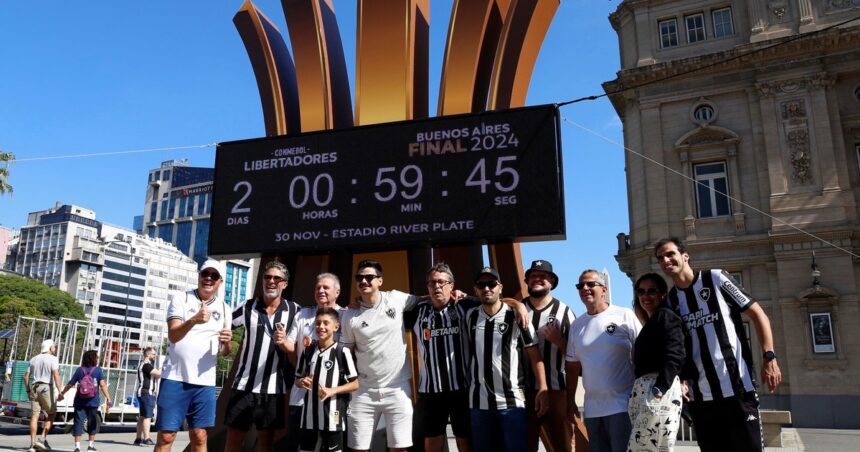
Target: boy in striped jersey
551, 319
723, 401
327, 373
300, 337
497, 345
264, 376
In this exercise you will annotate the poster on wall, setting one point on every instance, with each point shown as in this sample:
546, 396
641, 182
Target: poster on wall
822, 333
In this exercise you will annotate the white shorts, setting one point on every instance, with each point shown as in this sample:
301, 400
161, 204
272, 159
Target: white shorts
368, 404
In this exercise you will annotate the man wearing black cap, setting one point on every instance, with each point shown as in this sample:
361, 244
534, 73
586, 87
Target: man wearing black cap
497, 345
551, 319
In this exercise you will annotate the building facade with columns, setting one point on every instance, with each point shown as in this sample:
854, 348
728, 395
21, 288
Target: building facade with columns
742, 120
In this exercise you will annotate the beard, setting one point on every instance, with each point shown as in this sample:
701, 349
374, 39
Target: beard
538, 293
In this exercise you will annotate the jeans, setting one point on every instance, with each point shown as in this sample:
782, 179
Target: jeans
499, 430
609, 433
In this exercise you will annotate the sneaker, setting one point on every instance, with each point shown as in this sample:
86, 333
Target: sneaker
92, 449
45, 443
33, 449
77, 449
38, 445
147, 442
137, 442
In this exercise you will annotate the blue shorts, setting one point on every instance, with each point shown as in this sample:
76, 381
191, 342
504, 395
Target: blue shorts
146, 405
178, 401
90, 414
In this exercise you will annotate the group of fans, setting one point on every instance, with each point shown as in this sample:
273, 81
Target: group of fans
503, 372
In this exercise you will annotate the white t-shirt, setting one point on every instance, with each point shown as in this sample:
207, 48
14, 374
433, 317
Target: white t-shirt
42, 367
376, 336
603, 344
193, 359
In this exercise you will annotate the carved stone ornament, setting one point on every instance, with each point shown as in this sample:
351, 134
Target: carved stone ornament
793, 109
836, 5
778, 8
771, 88
801, 161
706, 135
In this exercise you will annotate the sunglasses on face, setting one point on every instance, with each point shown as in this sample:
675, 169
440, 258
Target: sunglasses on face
274, 278
368, 278
486, 284
207, 274
651, 292
589, 284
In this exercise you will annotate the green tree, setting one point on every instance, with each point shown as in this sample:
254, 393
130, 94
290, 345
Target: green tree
21, 296
5, 158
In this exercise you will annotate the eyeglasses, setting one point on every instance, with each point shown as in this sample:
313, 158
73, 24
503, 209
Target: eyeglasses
651, 291
589, 284
486, 284
274, 278
207, 274
438, 282
368, 278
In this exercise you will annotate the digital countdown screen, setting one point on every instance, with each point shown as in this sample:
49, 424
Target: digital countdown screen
478, 178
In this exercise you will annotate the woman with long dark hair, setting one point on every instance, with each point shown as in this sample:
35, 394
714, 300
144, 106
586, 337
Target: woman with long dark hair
658, 357
89, 379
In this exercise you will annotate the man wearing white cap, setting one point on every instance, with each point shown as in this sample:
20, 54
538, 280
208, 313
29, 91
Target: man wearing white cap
43, 368
198, 329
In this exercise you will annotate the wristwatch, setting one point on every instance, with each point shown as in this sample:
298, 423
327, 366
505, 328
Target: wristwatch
769, 356
656, 392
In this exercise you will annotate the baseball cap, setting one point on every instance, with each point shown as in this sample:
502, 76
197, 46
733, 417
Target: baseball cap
488, 271
46, 345
213, 264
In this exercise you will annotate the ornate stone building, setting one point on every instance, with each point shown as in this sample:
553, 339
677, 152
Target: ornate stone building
758, 100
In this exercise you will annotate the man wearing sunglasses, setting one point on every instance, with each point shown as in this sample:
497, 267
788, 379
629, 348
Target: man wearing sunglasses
375, 334
299, 337
264, 374
197, 331
551, 319
600, 345
497, 345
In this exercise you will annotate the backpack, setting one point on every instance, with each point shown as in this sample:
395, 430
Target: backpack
87, 385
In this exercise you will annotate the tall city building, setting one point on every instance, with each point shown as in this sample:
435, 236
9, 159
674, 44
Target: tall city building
177, 210
743, 118
120, 277
5, 235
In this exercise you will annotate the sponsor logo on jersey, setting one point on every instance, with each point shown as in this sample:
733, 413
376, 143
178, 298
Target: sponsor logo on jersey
390, 313
364, 324
699, 318
736, 293
436, 332
611, 329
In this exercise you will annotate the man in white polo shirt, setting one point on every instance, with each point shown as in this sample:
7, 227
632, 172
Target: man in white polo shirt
197, 329
375, 334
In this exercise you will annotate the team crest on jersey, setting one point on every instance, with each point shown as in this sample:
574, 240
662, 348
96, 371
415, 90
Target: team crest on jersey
329, 364
217, 315
364, 324
611, 329
426, 334
390, 313
550, 318
502, 328
705, 293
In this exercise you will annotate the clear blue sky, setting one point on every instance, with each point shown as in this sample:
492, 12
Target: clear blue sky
99, 76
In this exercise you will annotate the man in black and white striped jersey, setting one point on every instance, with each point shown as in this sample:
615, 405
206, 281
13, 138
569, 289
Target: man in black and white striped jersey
264, 375
551, 319
497, 346
723, 399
